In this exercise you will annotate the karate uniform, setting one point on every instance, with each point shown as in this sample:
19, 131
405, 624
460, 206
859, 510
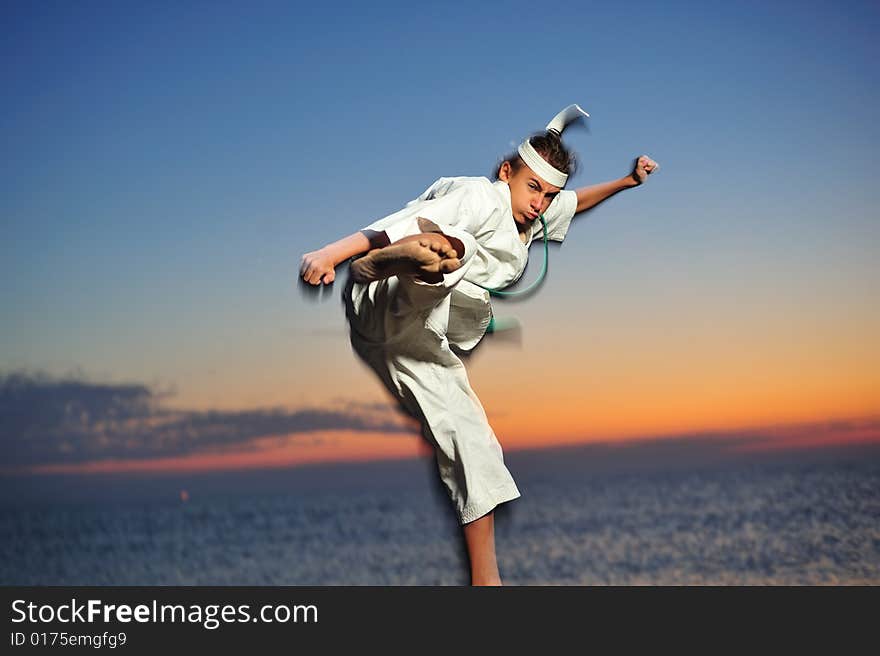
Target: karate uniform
406, 329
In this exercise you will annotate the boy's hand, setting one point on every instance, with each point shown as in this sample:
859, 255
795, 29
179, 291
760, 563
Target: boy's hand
644, 166
317, 267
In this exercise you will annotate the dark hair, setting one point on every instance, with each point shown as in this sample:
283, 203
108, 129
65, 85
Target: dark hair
549, 146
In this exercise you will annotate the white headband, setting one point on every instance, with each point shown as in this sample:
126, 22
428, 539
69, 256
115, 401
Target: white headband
540, 165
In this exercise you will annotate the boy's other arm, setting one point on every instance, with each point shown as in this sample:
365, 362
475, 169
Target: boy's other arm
320, 266
591, 196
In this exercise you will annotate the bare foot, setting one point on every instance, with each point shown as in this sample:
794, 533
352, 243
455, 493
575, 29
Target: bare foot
427, 256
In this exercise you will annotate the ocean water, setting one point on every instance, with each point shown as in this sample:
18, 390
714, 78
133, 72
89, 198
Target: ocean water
750, 524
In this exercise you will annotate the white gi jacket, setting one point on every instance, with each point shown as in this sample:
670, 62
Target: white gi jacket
404, 328
477, 211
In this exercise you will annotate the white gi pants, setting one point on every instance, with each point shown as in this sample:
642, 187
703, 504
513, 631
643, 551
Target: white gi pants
398, 327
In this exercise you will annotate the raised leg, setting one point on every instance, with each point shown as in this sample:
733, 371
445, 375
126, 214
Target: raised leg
427, 256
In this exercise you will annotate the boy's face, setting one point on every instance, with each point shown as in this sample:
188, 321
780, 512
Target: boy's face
529, 194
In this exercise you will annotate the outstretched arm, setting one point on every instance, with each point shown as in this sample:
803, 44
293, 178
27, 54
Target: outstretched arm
591, 196
320, 266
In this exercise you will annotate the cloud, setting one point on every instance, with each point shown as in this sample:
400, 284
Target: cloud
44, 420
54, 421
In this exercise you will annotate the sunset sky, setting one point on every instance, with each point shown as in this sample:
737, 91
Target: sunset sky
165, 167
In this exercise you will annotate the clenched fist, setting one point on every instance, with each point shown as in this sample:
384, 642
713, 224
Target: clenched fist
317, 267
644, 167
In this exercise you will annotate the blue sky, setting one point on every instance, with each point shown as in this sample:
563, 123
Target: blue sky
166, 166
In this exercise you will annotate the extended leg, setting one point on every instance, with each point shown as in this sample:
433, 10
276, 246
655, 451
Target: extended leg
427, 256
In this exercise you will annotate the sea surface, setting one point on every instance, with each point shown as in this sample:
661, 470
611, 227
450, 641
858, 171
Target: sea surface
779, 523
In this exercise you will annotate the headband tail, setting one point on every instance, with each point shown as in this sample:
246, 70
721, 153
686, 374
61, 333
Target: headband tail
566, 116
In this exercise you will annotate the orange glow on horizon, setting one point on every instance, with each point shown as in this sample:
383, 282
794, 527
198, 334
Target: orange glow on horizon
321, 447
353, 446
